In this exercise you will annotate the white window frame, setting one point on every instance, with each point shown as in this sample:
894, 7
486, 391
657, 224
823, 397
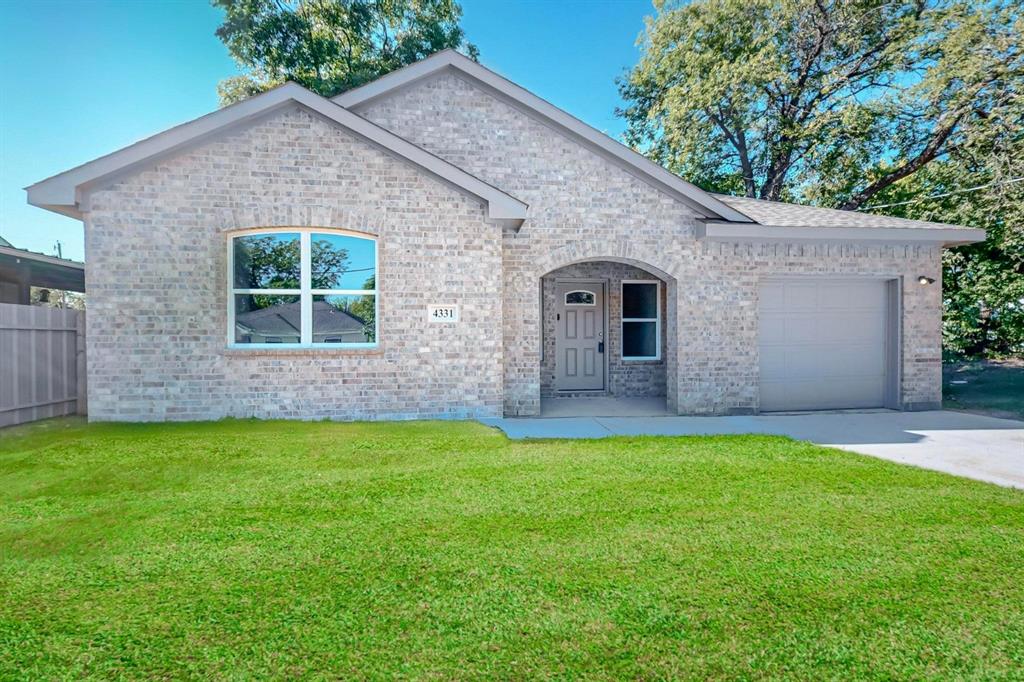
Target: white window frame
305, 292
656, 320
593, 296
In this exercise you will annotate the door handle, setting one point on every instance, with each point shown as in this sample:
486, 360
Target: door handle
600, 347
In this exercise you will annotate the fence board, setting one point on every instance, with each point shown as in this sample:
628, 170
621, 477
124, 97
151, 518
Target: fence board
42, 363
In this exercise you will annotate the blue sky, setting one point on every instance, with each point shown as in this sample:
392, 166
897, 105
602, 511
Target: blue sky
82, 78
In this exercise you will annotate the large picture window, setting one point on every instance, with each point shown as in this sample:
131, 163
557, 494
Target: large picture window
641, 320
302, 288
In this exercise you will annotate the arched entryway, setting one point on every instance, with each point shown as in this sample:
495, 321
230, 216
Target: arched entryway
608, 339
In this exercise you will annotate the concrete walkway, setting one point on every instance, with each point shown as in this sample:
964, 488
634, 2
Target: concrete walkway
983, 448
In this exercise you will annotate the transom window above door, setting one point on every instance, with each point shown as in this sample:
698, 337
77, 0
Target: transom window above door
580, 297
302, 288
641, 320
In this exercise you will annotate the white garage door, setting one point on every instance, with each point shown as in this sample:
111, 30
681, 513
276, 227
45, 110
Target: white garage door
823, 344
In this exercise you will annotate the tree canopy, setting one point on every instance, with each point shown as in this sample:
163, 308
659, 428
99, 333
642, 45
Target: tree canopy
854, 104
832, 100
330, 46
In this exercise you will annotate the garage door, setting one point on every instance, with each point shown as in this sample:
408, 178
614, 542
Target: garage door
823, 344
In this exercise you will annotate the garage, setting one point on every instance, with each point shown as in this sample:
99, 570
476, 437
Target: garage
827, 344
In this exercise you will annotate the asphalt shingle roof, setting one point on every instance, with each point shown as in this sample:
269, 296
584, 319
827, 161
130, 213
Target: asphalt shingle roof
780, 214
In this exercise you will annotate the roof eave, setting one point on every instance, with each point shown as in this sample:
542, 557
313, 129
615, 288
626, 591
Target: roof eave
732, 232
63, 193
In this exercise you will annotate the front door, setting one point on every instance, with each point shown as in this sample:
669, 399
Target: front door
579, 336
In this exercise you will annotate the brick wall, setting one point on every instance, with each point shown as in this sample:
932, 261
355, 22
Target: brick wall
583, 207
156, 244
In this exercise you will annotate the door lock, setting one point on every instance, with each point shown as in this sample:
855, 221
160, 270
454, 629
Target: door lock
600, 347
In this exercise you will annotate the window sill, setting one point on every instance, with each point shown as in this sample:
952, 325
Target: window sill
318, 352
641, 361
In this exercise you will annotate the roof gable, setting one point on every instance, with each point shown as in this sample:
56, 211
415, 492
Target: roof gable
635, 163
63, 193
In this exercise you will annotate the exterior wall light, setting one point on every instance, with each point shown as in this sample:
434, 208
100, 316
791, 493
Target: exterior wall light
922, 280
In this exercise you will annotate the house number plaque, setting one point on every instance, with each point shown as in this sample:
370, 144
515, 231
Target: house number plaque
443, 313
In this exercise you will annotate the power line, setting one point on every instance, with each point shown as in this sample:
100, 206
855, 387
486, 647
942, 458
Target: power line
944, 194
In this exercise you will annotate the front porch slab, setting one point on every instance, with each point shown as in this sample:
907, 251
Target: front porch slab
604, 406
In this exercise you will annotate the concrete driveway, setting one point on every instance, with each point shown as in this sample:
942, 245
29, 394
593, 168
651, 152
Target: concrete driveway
983, 448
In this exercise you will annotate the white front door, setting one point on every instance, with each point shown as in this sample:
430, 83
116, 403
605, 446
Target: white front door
579, 336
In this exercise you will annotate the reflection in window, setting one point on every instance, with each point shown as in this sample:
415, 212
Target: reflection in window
641, 321
580, 298
260, 318
344, 319
300, 288
267, 261
341, 261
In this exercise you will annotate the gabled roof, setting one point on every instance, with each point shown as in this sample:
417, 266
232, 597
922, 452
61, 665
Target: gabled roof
779, 220
284, 320
637, 164
63, 193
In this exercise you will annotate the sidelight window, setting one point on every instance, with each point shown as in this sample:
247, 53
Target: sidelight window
641, 320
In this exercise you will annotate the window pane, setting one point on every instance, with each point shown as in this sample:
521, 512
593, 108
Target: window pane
640, 300
579, 298
342, 262
344, 319
267, 319
639, 339
267, 261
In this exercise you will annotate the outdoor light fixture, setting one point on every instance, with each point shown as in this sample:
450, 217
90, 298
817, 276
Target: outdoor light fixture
922, 280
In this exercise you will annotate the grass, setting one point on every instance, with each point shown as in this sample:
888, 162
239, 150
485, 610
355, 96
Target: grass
992, 387
442, 550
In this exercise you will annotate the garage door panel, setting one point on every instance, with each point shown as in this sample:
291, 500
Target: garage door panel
800, 326
773, 363
799, 296
853, 329
772, 296
822, 344
773, 331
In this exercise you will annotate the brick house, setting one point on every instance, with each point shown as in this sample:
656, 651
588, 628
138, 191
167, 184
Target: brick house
443, 243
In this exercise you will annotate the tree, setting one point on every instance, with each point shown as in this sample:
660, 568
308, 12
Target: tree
855, 104
269, 262
983, 284
825, 100
330, 46
363, 307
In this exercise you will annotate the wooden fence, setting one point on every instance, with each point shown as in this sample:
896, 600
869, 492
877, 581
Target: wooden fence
42, 363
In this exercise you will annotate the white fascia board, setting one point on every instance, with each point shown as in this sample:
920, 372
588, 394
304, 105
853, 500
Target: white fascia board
632, 161
731, 232
63, 193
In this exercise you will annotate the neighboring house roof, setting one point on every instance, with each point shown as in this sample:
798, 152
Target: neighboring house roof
4, 242
41, 270
637, 164
283, 320
63, 193
785, 221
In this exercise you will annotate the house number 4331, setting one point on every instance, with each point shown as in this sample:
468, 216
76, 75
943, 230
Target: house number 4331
443, 313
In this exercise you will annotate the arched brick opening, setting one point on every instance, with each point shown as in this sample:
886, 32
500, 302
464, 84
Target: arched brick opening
628, 379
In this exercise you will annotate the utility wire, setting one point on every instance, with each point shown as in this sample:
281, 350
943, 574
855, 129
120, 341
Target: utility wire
944, 194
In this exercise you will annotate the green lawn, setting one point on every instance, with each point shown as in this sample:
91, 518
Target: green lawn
439, 550
992, 387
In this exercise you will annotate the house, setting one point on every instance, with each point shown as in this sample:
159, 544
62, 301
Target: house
494, 251
20, 270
